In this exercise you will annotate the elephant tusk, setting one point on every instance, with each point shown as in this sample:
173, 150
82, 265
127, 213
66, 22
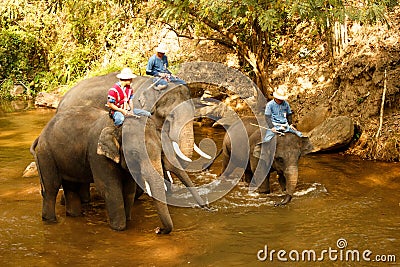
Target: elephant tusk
170, 177
201, 153
165, 187
148, 190
179, 153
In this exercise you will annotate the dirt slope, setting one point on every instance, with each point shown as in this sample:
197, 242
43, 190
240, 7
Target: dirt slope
352, 86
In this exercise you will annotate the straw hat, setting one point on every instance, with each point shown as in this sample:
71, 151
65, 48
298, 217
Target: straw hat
126, 74
280, 93
161, 48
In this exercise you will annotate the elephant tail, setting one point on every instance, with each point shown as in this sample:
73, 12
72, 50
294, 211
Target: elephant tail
33, 146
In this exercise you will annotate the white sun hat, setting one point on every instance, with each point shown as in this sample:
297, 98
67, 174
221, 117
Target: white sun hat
126, 74
280, 93
161, 48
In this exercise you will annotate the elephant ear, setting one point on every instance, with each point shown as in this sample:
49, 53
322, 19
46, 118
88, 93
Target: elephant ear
108, 144
256, 138
257, 150
306, 146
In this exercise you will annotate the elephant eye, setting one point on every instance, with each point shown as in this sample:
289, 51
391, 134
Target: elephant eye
171, 116
279, 159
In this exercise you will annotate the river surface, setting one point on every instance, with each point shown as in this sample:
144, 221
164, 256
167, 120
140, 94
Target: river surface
346, 211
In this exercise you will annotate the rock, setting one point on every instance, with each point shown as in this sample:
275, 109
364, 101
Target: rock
313, 118
19, 104
31, 170
17, 90
332, 134
45, 99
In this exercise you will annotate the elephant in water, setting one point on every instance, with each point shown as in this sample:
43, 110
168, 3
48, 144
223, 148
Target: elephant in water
71, 153
79, 145
281, 154
92, 92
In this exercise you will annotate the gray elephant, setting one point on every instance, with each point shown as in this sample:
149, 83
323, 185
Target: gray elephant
82, 159
281, 154
92, 92
71, 153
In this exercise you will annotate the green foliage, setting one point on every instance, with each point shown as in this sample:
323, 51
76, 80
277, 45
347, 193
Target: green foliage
21, 56
11, 11
51, 44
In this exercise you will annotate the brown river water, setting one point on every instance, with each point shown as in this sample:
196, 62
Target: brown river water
346, 212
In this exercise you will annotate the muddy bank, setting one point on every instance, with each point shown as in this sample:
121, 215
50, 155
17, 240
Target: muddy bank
366, 72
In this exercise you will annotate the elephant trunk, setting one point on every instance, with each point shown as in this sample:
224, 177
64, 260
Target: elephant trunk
163, 213
292, 174
152, 174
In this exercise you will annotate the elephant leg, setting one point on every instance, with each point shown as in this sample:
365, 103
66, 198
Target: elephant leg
50, 184
260, 178
129, 191
72, 199
108, 182
84, 193
265, 188
48, 204
282, 181
290, 176
261, 161
115, 210
248, 174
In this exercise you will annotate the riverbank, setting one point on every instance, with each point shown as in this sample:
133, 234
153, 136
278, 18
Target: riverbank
362, 76
365, 74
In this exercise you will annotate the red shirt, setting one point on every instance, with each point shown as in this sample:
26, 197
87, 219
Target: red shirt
119, 96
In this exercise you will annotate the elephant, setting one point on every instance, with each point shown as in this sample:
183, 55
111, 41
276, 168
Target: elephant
92, 92
172, 116
281, 154
71, 153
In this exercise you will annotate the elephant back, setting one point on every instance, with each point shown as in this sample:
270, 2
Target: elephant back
93, 92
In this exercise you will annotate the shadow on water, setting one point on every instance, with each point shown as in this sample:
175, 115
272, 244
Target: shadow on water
337, 197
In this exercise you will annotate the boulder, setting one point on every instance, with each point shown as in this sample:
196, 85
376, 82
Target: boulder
334, 133
31, 170
17, 90
313, 118
45, 99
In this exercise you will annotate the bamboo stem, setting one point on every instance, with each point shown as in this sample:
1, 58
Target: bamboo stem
382, 107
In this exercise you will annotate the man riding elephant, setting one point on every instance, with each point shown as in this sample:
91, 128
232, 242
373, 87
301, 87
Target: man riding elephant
157, 66
120, 96
278, 115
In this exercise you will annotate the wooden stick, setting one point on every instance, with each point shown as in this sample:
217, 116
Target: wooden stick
382, 107
277, 132
259, 126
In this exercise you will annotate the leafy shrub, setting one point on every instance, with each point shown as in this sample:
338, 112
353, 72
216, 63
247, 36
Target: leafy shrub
21, 57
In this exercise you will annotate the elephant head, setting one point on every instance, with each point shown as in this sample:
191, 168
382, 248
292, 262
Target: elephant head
284, 159
289, 148
172, 111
